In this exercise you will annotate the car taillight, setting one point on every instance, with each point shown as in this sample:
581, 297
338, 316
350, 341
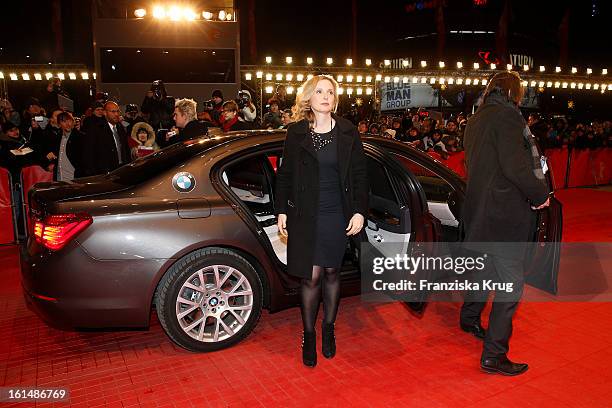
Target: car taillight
56, 230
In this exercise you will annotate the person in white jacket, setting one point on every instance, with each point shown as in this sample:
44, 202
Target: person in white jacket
248, 113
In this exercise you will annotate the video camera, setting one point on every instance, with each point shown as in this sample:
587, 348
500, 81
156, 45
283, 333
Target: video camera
243, 100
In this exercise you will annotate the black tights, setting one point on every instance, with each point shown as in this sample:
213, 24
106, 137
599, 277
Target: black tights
311, 296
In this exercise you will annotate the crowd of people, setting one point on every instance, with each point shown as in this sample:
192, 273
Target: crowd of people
446, 136
104, 137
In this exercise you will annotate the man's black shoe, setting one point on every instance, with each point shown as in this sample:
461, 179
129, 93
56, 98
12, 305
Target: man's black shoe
501, 365
474, 329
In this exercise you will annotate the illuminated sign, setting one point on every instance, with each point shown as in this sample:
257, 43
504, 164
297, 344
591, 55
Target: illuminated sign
488, 57
519, 60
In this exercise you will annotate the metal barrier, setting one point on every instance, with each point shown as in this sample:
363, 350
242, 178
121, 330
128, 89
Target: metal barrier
31, 175
8, 226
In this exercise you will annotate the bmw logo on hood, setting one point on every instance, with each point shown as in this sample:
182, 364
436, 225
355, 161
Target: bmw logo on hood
183, 182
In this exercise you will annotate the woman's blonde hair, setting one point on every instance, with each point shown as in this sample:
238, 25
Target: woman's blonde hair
301, 109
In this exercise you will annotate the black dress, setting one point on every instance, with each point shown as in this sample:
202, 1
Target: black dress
330, 239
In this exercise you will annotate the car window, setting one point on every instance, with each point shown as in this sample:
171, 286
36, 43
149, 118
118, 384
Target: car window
248, 180
434, 186
384, 204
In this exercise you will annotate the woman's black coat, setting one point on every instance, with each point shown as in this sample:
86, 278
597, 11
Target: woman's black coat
297, 189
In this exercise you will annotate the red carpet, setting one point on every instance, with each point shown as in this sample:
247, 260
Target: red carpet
587, 215
386, 357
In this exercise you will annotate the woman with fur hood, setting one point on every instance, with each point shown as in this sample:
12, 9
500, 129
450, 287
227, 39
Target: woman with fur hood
142, 140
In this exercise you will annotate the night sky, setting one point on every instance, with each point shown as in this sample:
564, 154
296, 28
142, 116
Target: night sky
323, 28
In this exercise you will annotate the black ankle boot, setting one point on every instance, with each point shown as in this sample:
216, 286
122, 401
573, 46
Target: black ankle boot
328, 341
309, 349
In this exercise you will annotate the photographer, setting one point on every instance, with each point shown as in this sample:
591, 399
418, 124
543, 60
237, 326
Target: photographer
214, 107
247, 111
272, 119
33, 119
49, 99
131, 116
46, 143
96, 116
280, 97
158, 105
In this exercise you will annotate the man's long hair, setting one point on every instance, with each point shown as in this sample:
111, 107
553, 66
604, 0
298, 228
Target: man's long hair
508, 84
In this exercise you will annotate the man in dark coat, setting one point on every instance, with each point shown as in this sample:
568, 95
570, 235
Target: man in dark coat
189, 127
506, 184
97, 116
71, 151
107, 143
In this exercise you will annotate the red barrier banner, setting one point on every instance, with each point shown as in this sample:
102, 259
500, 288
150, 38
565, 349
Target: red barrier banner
455, 162
590, 167
602, 166
7, 229
31, 175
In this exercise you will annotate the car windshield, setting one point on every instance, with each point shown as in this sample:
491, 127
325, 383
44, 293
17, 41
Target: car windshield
144, 168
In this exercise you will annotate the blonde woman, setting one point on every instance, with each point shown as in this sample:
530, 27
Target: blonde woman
321, 201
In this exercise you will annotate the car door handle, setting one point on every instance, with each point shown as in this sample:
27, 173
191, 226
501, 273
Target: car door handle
372, 226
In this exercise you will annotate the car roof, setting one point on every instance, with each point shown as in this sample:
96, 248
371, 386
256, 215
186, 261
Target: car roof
249, 138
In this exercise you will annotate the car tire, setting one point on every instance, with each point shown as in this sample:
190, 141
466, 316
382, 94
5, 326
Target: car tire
210, 291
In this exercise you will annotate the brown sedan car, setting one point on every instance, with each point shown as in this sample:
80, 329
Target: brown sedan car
190, 230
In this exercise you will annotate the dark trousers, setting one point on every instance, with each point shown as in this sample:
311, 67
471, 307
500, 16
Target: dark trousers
503, 270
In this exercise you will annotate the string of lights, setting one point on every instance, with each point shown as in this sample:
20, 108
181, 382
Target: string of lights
360, 80
364, 79
386, 64
29, 75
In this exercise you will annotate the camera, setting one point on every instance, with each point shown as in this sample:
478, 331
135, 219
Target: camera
101, 96
39, 118
208, 105
244, 98
158, 88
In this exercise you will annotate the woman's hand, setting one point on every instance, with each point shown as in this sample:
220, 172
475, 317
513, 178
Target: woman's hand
282, 224
355, 224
